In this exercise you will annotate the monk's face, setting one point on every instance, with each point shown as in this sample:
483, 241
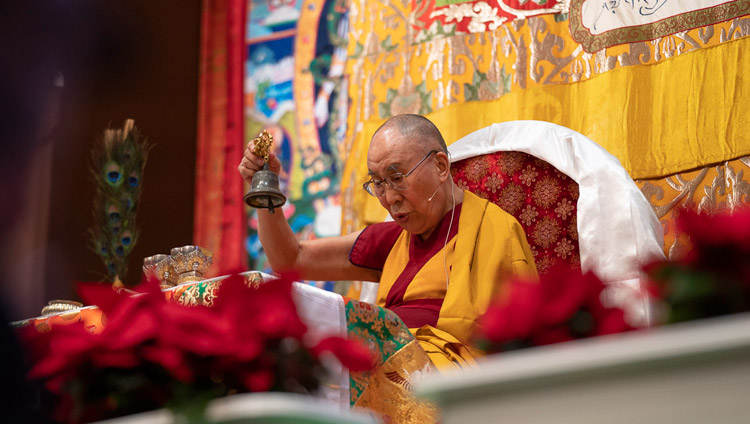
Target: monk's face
390, 153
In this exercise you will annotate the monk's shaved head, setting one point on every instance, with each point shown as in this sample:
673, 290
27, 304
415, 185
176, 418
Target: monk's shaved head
416, 128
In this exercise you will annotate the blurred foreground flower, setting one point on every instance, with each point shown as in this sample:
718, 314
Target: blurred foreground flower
153, 353
564, 305
713, 276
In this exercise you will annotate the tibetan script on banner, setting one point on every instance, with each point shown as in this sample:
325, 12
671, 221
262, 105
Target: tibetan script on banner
597, 24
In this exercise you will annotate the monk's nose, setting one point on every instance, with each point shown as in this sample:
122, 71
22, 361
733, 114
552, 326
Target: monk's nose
391, 196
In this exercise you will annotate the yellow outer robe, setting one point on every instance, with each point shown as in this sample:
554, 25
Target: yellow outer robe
489, 248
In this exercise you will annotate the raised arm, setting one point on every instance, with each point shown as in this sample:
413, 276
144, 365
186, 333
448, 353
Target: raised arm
320, 259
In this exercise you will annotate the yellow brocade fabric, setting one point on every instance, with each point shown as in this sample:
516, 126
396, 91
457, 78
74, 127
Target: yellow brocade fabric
665, 106
389, 391
724, 186
490, 248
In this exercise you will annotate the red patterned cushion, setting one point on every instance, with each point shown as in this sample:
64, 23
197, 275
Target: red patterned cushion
541, 198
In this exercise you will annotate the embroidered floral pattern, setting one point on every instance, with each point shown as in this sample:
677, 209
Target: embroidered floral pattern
541, 198
529, 175
381, 331
477, 168
528, 215
573, 228
573, 190
511, 198
483, 194
462, 185
544, 263
545, 232
204, 292
564, 208
365, 315
564, 248
494, 182
546, 192
511, 162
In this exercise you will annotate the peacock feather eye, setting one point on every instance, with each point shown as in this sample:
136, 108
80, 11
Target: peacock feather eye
113, 212
120, 251
133, 180
126, 238
113, 174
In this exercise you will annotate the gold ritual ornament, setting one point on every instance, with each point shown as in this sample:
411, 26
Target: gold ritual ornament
263, 143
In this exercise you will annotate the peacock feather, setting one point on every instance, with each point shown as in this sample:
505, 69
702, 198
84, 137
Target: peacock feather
118, 160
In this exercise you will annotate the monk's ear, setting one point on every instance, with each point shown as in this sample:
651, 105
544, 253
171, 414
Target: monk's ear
444, 165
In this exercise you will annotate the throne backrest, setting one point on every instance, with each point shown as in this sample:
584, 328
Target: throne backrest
540, 197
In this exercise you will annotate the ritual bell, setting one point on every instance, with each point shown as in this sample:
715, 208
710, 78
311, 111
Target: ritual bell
265, 192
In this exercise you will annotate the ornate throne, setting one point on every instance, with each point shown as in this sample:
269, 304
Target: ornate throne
576, 203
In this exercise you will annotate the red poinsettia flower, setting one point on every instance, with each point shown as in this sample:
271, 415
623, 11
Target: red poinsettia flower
58, 352
150, 350
351, 354
268, 310
606, 319
565, 290
564, 305
586, 314
514, 315
260, 380
172, 359
712, 278
720, 243
723, 228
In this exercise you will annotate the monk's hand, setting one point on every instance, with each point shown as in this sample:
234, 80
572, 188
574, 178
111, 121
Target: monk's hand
252, 163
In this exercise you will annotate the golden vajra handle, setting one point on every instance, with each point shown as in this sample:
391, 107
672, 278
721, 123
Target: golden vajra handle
263, 144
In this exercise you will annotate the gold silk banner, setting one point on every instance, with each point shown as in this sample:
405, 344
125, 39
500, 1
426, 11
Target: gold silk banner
724, 186
661, 107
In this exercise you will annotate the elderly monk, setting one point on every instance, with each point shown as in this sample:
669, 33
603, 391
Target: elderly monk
446, 254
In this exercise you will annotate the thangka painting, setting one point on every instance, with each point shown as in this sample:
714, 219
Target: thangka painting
295, 88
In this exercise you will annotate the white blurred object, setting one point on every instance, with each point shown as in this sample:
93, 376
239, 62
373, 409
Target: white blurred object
689, 373
324, 314
328, 221
258, 408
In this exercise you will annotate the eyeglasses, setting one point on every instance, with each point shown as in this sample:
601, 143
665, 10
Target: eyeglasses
396, 181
